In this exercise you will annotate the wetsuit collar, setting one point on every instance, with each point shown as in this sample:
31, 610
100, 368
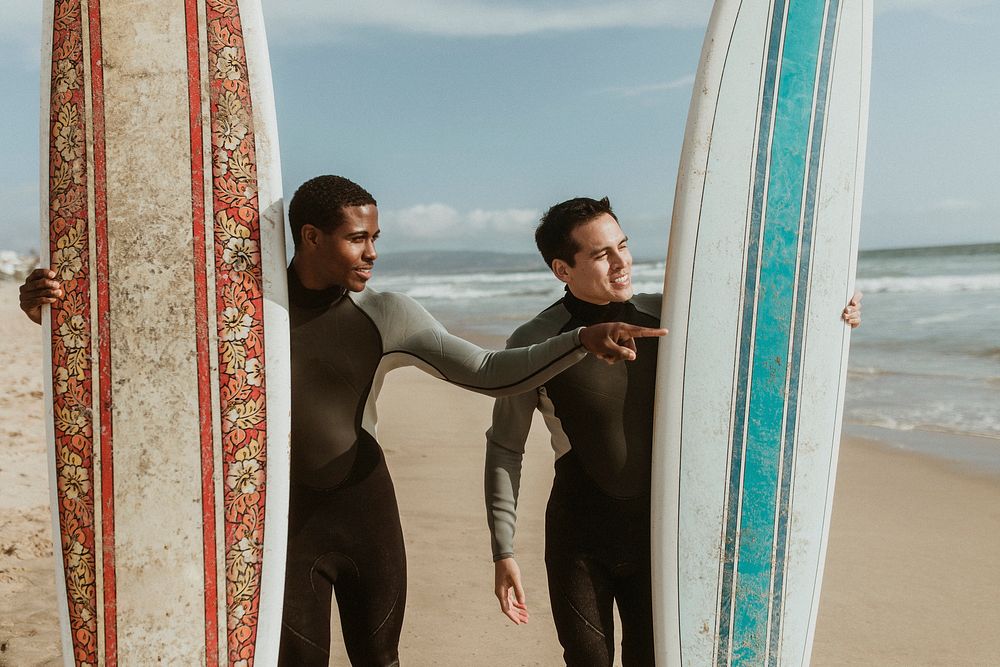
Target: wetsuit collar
592, 313
304, 297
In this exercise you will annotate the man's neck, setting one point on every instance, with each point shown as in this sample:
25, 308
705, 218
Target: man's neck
308, 276
591, 302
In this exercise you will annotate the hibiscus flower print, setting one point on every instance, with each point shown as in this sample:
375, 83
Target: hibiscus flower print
229, 132
67, 262
67, 76
247, 551
255, 372
245, 476
84, 612
70, 421
229, 124
61, 380
75, 333
74, 481
241, 254
236, 615
228, 64
235, 324
69, 142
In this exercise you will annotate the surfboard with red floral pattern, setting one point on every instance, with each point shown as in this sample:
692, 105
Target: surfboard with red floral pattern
167, 381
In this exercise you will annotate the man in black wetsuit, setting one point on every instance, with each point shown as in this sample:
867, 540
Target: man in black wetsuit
344, 530
597, 549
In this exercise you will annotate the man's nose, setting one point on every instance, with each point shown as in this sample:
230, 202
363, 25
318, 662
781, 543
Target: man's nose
370, 253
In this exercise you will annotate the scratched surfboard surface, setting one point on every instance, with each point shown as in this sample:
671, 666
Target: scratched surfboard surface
750, 391
167, 369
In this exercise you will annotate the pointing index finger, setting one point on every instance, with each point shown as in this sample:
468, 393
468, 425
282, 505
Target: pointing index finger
644, 332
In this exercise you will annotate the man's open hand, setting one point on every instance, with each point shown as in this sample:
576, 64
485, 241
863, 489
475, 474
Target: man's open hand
508, 589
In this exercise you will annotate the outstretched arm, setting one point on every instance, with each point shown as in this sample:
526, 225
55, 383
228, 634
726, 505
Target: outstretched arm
40, 288
411, 331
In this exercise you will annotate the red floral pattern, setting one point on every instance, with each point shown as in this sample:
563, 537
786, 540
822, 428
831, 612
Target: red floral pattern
72, 358
239, 297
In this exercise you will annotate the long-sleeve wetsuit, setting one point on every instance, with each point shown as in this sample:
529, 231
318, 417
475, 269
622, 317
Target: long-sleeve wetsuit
343, 520
597, 520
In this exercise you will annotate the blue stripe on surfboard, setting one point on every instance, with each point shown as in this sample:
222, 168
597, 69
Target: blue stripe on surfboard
805, 251
750, 284
773, 321
767, 363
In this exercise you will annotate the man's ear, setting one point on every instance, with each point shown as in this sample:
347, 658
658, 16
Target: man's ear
560, 269
310, 235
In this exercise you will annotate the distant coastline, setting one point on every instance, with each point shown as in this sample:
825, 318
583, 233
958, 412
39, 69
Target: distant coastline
15, 265
464, 261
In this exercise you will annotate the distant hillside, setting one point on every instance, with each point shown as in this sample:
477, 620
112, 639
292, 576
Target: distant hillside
456, 261
461, 261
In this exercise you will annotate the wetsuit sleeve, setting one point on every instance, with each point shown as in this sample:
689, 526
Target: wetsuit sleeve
502, 480
429, 346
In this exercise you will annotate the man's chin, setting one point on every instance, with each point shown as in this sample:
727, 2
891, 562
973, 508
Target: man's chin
621, 295
356, 285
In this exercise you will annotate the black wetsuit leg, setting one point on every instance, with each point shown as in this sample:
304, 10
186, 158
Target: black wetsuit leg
597, 553
350, 538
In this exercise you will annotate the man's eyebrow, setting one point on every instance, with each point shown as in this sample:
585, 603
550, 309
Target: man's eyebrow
597, 251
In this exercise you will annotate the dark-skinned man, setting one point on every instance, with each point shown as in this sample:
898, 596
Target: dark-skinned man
344, 529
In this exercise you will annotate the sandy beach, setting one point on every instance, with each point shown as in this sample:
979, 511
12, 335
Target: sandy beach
911, 573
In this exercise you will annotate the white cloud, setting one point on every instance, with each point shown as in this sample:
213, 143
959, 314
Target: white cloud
323, 20
510, 220
478, 18
949, 10
423, 221
440, 222
956, 204
683, 82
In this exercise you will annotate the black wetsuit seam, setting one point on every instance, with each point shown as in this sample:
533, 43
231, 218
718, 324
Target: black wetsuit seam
322, 649
581, 616
388, 615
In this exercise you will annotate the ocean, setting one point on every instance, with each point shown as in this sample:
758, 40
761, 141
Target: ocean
924, 370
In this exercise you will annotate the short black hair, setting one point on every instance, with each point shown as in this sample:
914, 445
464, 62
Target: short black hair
319, 202
553, 236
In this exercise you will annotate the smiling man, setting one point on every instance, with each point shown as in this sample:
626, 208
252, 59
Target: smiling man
597, 549
344, 529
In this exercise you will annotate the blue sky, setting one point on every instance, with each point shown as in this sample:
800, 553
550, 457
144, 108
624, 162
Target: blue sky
467, 118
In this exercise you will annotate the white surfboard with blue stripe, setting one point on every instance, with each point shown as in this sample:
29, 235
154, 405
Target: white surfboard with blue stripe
763, 249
